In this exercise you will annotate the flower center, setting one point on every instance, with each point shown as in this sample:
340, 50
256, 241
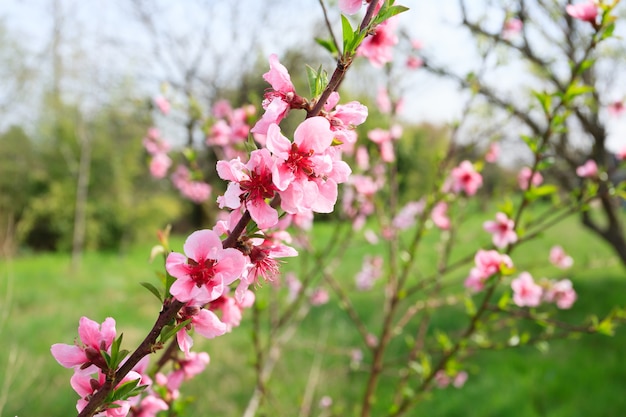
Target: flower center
201, 272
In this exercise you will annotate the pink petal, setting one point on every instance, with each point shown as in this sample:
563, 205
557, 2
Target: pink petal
202, 245
207, 324
314, 134
278, 76
89, 332
262, 214
278, 144
68, 355
176, 265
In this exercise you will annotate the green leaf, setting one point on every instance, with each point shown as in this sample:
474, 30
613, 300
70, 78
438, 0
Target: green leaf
470, 307
348, 34
444, 341
327, 44
503, 302
545, 100
125, 390
152, 289
576, 90
608, 32
169, 331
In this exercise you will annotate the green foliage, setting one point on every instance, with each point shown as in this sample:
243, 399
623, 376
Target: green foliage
123, 202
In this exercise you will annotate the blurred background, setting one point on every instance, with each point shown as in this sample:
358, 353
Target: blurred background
79, 209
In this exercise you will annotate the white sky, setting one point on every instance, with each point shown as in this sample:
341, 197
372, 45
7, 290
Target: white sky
100, 25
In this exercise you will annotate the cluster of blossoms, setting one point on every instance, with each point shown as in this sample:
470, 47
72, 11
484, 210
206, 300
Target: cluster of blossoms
89, 365
528, 293
157, 148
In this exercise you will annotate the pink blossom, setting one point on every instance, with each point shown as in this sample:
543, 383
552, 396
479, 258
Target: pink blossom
383, 101
162, 104
93, 339
525, 292
621, 154
149, 407
196, 191
307, 171
406, 216
203, 321
264, 255
86, 386
384, 139
363, 158
587, 170
616, 108
293, 285
326, 402
251, 185
493, 153
192, 365
350, 6
378, 47
414, 62
280, 99
439, 215
465, 178
442, 379
459, 379
562, 293
512, 27
153, 143
587, 11
524, 180
488, 263
559, 258
503, 230
370, 272
319, 297
159, 164
232, 309
344, 118
205, 270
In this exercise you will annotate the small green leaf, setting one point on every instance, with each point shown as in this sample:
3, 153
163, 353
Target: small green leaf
503, 302
169, 331
470, 307
348, 34
545, 100
152, 289
327, 44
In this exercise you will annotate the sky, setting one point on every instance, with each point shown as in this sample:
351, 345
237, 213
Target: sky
105, 25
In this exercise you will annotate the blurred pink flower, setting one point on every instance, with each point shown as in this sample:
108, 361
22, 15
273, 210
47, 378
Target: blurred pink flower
162, 104
159, 164
319, 297
562, 293
512, 27
559, 258
350, 6
439, 215
465, 178
524, 181
487, 263
378, 47
587, 11
587, 170
525, 292
502, 229
616, 108
493, 152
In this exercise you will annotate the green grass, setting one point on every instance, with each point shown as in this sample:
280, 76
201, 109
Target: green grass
44, 300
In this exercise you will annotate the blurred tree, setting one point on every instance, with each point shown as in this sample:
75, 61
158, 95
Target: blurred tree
540, 50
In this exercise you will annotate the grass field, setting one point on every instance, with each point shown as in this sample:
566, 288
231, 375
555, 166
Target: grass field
42, 300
